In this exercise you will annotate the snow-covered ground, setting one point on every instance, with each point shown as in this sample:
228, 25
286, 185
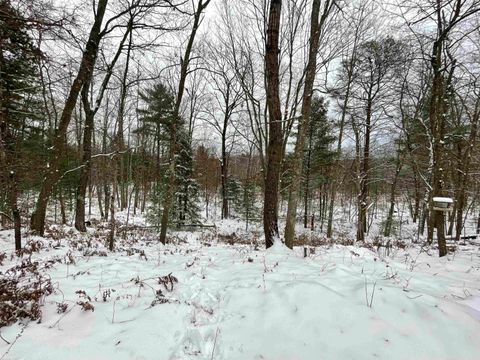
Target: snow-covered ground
202, 299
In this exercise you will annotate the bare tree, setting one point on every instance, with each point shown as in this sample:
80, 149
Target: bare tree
226, 98
89, 128
84, 72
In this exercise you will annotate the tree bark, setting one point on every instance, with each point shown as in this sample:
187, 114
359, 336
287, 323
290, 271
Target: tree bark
84, 171
275, 141
389, 220
13, 203
224, 165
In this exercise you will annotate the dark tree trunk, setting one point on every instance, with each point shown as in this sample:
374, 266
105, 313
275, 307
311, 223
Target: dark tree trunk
465, 171
358, 184
389, 220
275, 141
61, 200
224, 172
120, 137
59, 141
111, 234
13, 203
84, 171
364, 173
100, 203
306, 193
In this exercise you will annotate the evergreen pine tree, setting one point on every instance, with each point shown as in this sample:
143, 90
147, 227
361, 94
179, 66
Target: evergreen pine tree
20, 120
156, 119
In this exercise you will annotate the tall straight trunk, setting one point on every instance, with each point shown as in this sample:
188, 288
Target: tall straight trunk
59, 141
61, 200
144, 198
111, 234
358, 184
13, 204
306, 191
171, 186
437, 111
464, 173
389, 220
316, 24
120, 138
364, 179
335, 183
416, 206
275, 141
224, 171
135, 199
100, 202
84, 171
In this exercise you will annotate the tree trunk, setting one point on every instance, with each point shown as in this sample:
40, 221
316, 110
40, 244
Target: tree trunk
366, 165
59, 141
306, 193
275, 141
298, 157
61, 200
358, 184
100, 203
120, 138
111, 234
12, 199
84, 171
224, 172
389, 220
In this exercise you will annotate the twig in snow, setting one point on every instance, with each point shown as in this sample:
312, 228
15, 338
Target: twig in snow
366, 293
373, 293
62, 316
214, 343
369, 303
113, 312
14, 341
415, 297
1, 337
